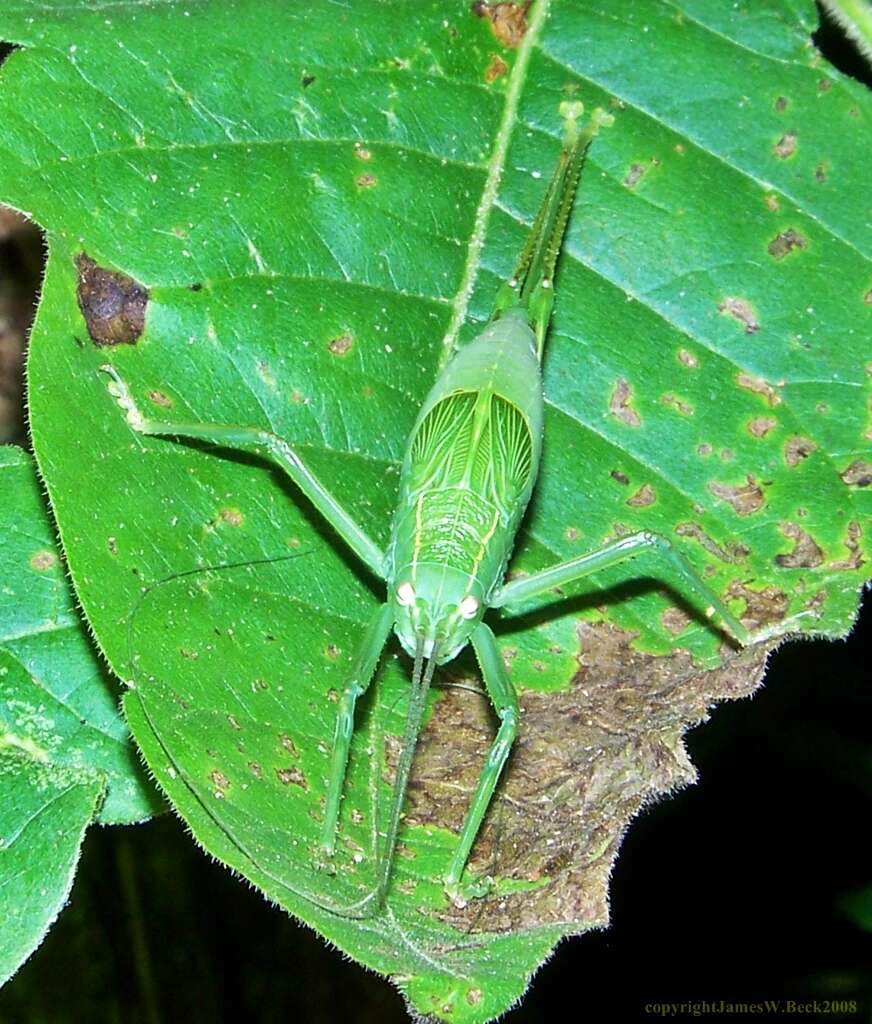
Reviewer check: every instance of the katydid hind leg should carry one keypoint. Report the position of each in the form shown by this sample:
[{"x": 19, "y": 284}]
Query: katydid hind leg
[
  {"x": 263, "y": 442},
  {"x": 504, "y": 699},
  {"x": 680, "y": 573},
  {"x": 367, "y": 659}
]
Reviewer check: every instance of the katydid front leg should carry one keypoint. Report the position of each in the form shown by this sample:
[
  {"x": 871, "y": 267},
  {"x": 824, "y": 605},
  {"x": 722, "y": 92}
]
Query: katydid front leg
[
  {"x": 368, "y": 655},
  {"x": 265, "y": 443},
  {"x": 679, "y": 569}
]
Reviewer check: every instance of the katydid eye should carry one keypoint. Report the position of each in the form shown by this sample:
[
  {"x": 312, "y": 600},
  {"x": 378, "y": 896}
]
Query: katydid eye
[
  {"x": 468, "y": 607},
  {"x": 405, "y": 594}
]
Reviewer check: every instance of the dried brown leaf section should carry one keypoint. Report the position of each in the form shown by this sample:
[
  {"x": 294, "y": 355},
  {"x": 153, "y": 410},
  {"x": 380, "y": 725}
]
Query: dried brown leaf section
[{"x": 585, "y": 762}]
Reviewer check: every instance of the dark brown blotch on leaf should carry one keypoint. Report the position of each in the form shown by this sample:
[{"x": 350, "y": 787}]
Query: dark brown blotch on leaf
[
  {"x": 741, "y": 310},
  {"x": 495, "y": 69},
  {"x": 761, "y": 425},
  {"x": 731, "y": 552},
  {"x": 644, "y": 496},
  {"x": 112, "y": 304},
  {"x": 786, "y": 146},
  {"x": 797, "y": 449},
  {"x": 759, "y": 387},
  {"x": 619, "y": 404},
  {"x": 292, "y": 777},
  {"x": 340, "y": 345},
  {"x": 508, "y": 21},
  {"x": 43, "y": 560},
  {"x": 858, "y": 474},
  {"x": 806, "y": 554},
  {"x": 786, "y": 242},
  {"x": 746, "y": 499},
  {"x": 634, "y": 175},
  {"x": 855, "y": 559}
]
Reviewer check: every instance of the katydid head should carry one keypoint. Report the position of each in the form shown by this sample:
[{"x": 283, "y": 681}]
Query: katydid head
[{"x": 438, "y": 606}]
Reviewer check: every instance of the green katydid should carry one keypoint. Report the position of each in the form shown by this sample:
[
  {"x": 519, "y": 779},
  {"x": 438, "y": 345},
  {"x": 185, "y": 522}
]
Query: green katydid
[{"x": 470, "y": 467}]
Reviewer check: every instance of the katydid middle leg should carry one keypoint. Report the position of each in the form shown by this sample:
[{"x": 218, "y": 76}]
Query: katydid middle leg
[
  {"x": 612, "y": 554},
  {"x": 505, "y": 700}
]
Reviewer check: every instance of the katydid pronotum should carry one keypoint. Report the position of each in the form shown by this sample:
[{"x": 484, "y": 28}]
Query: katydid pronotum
[{"x": 470, "y": 467}]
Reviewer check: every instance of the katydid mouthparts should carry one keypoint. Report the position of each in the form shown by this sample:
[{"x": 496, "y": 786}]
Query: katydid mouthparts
[{"x": 470, "y": 467}]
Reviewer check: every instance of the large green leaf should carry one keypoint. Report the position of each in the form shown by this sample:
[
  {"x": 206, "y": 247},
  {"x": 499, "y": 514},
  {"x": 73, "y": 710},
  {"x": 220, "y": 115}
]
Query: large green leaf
[
  {"x": 65, "y": 753},
  {"x": 318, "y": 211}
]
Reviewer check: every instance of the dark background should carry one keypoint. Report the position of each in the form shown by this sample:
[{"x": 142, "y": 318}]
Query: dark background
[{"x": 753, "y": 885}]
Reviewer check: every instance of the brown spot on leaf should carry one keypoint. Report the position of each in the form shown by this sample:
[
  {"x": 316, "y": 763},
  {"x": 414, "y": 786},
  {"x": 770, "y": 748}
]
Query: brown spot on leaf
[
  {"x": 824, "y": 85},
  {"x": 704, "y": 449},
  {"x": 288, "y": 744},
  {"x": 761, "y": 425},
  {"x": 496, "y": 69},
  {"x": 644, "y": 496},
  {"x": 473, "y": 996},
  {"x": 112, "y": 304},
  {"x": 786, "y": 146},
  {"x": 634, "y": 175},
  {"x": 858, "y": 474},
  {"x": 571, "y": 533},
  {"x": 786, "y": 242},
  {"x": 619, "y": 404},
  {"x": 805, "y": 554},
  {"x": 361, "y": 152},
  {"x": 307, "y": 80},
  {"x": 797, "y": 449},
  {"x": 508, "y": 21},
  {"x": 733, "y": 552},
  {"x": 159, "y": 398},
  {"x": 233, "y": 722},
  {"x": 867, "y": 298},
  {"x": 820, "y": 173},
  {"x": 43, "y": 560},
  {"x": 772, "y": 203},
  {"x": 292, "y": 777},
  {"x": 855, "y": 558},
  {"x": 112, "y": 545},
  {"x": 762, "y": 607},
  {"x": 688, "y": 358},
  {"x": 685, "y": 408},
  {"x": 745, "y": 499},
  {"x": 367, "y": 181},
  {"x": 255, "y": 769},
  {"x": 220, "y": 782},
  {"x": 341, "y": 344},
  {"x": 620, "y": 477},
  {"x": 741, "y": 310},
  {"x": 231, "y": 516},
  {"x": 781, "y": 104},
  {"x": 759, "y": 387}
]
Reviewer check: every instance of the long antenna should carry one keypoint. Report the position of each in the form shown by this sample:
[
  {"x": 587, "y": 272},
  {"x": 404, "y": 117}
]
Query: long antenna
[
  {"x": 414, "y": 716},
  {"x": 539, "y": 257}
]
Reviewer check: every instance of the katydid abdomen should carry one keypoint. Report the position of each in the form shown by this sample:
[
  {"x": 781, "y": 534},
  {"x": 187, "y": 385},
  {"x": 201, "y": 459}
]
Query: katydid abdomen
[{"x": 470, "y": 466}]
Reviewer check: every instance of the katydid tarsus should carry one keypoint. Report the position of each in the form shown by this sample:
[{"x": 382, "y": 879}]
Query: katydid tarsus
[{"x": 470, "y": 467}]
